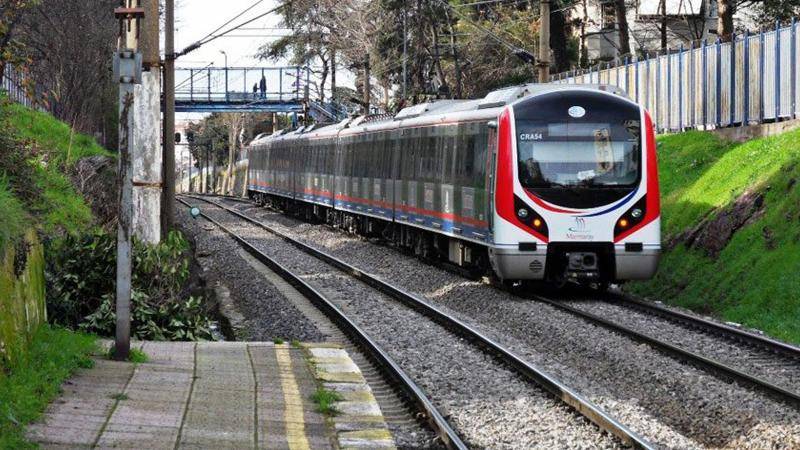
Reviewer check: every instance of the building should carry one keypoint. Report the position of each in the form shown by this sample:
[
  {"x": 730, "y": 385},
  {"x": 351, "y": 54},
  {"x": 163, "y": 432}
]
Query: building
[{"x": 685, "y": 21}]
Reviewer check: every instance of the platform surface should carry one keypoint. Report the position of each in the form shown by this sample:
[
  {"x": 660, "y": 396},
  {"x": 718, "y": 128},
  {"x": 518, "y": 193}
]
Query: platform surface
[{"x": 207, "y": 395}]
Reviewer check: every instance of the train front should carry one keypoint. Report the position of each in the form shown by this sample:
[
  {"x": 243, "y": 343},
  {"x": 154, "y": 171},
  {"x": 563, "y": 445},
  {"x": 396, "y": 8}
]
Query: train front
[{"x": 576, "y": 190}]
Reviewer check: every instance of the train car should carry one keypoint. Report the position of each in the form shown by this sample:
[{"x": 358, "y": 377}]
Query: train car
[{"x": 535, "y": 182}]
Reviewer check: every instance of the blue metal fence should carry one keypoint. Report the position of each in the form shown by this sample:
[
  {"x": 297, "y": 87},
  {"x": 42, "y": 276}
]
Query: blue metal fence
[{"x": 751, "y": 79}]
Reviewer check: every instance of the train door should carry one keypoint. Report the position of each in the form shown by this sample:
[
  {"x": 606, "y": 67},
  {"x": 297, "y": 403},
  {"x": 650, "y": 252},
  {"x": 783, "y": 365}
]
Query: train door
[{"x": 491, "y": 175}]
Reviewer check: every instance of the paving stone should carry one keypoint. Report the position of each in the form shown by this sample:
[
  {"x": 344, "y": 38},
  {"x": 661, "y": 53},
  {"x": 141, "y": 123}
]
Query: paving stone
[{"x": 210, "y": 395}]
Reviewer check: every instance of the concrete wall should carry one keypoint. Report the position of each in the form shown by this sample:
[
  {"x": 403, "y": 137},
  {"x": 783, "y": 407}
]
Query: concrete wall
[
  {"x": 22, "y": 297},
  {"x": 147, "y": 158},
  {"x": 742, "y": 134}
]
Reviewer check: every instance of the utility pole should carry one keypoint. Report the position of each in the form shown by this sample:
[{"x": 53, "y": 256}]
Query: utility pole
[
  {"x": 168, "y": 193},
  {"x": 544, "y": 41},
  {"x": 128, "y": 70}
]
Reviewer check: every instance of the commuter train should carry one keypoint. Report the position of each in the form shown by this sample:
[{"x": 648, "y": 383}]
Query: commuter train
[{"x": 535, "y": 182}]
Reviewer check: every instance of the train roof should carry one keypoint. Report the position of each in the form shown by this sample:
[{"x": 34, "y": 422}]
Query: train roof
[{"x": 435, "y": 112}]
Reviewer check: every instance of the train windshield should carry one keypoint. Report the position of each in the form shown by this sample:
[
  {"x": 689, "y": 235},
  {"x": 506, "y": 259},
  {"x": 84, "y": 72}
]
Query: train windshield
[
  {"x": 578, "y": 139},
  {"x": 582, "y": 154}
]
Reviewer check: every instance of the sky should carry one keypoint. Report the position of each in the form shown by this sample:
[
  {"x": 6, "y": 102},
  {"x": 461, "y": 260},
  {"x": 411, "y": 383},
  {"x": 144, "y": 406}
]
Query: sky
[{"x": 195, "y": 19}]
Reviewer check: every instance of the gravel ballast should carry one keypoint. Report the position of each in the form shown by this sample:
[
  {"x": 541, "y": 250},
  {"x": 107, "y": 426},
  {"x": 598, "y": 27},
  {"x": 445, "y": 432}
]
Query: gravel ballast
[
  {"x": 664, "y": 400},
  {"x": 780, "y": 370},
  {"x": 489, "y": 405},
  {"x": 267, "y": 314}
]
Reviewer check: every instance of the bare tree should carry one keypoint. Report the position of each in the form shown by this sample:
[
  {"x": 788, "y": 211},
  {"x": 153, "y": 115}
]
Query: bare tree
[
  {"x": 234, "y": 122},
  {"x": 70, "y": 44}
]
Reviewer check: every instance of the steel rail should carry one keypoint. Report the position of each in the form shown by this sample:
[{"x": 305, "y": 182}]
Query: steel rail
[
  {"x": 710, "y": 326},
  {"x": 679, "y": 352},
  {"x": 434, "y": 418},
  {"x": 529, "y": 371}
]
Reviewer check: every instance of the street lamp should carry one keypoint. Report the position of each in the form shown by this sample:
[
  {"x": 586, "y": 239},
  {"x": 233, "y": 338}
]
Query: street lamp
[{"x": 226, "y": 75}]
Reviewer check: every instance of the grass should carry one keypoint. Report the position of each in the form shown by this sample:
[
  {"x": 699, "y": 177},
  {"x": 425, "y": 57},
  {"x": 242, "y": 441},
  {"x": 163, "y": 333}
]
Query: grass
[
  {"x": 278, "y": 341},
  {"x": 14, "y": 219},
  {"x": 753, "y": 281},
  {"x": 136, "y": 356},
  {"x": 28, "y": 387},
  {"x": 54, "y": 149},
  {"x": 64, "y": 147},
  {"x": 120, "y": 397},
  {"x": 325, "y": 399}
]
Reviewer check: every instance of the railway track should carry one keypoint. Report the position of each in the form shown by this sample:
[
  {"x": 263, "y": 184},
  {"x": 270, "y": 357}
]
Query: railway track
[
  {"x": 364, "y": 343},
  {"x": 758, "y": 361},
  {"x": 524, "y": 369}
]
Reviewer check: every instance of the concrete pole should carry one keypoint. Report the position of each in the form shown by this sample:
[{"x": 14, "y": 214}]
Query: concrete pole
[
  {"x": 127, "y": 69},
  {"x": 146, "y": 154},
  {"x": 168, "y": 196},
  {"x": 544, "y": 41}
]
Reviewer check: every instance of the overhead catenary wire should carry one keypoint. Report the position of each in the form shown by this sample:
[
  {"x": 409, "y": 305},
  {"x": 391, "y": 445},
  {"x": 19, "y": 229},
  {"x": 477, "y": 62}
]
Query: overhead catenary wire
[
  {"x": 213, "y": 36},
  {"x": 248, "y": 9}
]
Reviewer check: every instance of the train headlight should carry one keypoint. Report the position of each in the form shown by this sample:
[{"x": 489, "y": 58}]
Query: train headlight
[
  {"x": 529, "y": 218},
  {"x": 632, "y": 217}
]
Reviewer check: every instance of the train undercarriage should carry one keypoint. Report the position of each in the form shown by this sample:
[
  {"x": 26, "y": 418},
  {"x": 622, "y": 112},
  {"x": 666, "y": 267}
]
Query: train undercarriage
[{"x": 468, "y": 258}]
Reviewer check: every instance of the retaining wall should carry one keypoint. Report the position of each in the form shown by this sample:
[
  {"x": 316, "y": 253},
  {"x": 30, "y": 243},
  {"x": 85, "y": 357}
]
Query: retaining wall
[{"x": 22, "y": 297}]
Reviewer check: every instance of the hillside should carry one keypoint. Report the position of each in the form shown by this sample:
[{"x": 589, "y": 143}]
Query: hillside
[
  {"x": 731, "y": 223},
  {"x": 38, "y": 152}
]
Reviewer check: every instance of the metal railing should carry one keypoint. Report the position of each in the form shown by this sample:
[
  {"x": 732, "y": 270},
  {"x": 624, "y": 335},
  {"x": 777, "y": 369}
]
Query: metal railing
[
  {"x": 14, "y": 82},
  {"x": 752, "y": 79},
  {"x": 242, "y": 84}
]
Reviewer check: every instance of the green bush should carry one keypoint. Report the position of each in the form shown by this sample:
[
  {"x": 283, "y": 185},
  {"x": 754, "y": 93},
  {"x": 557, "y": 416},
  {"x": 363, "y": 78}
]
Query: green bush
[{"x": 81, "y": 288}]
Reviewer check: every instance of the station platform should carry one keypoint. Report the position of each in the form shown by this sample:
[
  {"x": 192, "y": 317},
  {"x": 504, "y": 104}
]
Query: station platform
[{"x": 216, "y": 395}]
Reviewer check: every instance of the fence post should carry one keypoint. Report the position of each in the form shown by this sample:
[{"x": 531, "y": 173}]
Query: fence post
[
  {"x": 636, "y": 77},
  {"x": 705, "y": 83},
  {"x": 627, "y": 74},
  {"x": 718, "y": 87},
  {"x": 793, "y": 66},
  {"x": 692, "y": 100},
  {"x": 732, "y": 85},
  {"x": 680, "y": 88},
  {"x": 191, "y": 85},
  {"x": 658, "y": 89},
  {"x": 667, "y": 111},
  {"x": 777, "y": 70},
  {"x": 746, "y": 63},
  {"x": 761, "y": 96}
]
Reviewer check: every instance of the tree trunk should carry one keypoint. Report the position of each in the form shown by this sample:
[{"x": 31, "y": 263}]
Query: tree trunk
[
  {"x": 726, "y": 10},
  {"x": 437, "y": 60},
  {"x": 622, "y": 25},
  {"x": 323, "y": 78},
  {"x": 663, "y": 5},
  {"x": 333, "y": 75},
  {"x": 583, "y": 56},
  {"x": 367, "y": 88},
  {"x": 454, "y": 49},
  {"x": 559, "y": 30}
]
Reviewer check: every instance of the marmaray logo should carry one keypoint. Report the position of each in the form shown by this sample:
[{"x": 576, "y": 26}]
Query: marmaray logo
[{"x": 580, "y": 225}]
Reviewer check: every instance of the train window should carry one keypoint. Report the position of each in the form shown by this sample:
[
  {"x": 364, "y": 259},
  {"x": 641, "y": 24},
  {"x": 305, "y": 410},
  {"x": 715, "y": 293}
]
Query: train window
[{"x": 586, "y": 141}]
